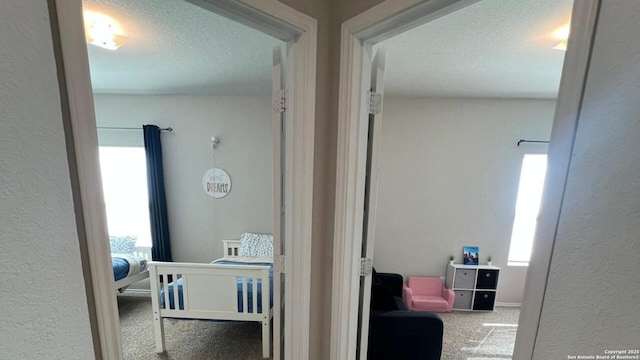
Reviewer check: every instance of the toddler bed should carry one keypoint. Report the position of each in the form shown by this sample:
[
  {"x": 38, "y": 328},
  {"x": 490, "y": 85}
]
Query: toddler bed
[
  {"x": 129, "y": 261},
  {"x": 231, "y": 288},
  {"x": 128, "y": 269}
]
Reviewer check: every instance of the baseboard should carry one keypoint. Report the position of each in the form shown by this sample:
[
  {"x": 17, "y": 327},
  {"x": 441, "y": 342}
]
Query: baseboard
[{"x": 505, "y": 304}]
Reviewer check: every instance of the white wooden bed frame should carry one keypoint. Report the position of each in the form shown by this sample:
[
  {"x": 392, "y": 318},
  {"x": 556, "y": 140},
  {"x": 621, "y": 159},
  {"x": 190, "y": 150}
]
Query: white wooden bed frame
[
  {"x": 210, "y": 292},
  {"x": 143, "y": 252}
]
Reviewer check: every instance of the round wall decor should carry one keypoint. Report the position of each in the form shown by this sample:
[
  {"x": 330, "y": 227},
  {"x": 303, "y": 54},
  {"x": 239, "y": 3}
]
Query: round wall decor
[{"x": 216, "y": 182}]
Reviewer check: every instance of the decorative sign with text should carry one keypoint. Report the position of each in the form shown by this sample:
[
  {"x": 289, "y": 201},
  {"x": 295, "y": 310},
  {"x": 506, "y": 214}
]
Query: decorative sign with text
[{"x": 217, "y": 183}]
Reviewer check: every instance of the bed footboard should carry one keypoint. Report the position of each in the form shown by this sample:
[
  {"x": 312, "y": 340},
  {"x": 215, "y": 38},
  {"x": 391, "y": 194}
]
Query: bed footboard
[
  {"x": 143, "y": 252},
  {"x": 210, "y": 291},
  {"x": 139, "y": 251}
]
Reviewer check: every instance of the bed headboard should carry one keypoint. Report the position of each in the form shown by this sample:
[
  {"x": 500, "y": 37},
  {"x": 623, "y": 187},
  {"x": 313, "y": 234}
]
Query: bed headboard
[{"x": 231, "y": 247}]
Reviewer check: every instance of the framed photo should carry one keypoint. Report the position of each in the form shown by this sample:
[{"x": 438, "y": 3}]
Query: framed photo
[{"x": 470, "y": 255}]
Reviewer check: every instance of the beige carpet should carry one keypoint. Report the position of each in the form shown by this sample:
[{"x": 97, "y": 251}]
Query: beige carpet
[
  {"x": 185, "y": 339},
  {"x": 480, "y": 335},
  {"x": 468, "y": 335}
]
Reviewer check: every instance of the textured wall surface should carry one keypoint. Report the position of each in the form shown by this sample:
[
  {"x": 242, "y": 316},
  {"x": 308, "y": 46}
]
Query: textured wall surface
[
  {"x": 591, "y": 303},
  {"x": 449, "y": 174},
  {"x": 197, "y": 222},
  {"x": 43, "y": 298}
]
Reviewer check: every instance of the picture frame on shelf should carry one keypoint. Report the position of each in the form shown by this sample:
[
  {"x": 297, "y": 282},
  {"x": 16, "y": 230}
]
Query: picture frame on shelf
[{"x": 470, "y": 255}]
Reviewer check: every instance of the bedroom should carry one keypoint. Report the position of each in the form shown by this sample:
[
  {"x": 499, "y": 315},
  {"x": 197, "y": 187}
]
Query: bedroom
[
  {"x": 156, "y": 77},
  {"x": 452, "y": 168}
]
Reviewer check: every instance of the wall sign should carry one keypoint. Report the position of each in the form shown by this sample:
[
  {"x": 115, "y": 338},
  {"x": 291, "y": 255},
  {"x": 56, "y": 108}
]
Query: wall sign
[{"x": 217, "y": 183}]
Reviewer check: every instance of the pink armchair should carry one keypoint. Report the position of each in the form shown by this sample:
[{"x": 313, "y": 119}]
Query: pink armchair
[{"x": 427, "y": 294}]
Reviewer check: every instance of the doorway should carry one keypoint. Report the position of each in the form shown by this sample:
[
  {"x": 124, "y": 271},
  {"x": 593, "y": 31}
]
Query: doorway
[
  {"x": 227, "y": 98},
  {"x": 272, "y": 18},
  {"x": 367, "y": 31}
]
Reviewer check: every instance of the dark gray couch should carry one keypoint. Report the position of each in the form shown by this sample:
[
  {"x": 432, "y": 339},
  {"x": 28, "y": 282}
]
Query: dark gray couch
[{"x": 396, "y": 333}]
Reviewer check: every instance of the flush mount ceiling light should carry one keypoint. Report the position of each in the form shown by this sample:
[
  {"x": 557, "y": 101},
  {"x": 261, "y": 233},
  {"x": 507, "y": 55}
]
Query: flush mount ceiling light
[
  {"x": 562, "y": 45},
  {"x": 101, "y": 30},
  {"x": 561, "y": 34}
]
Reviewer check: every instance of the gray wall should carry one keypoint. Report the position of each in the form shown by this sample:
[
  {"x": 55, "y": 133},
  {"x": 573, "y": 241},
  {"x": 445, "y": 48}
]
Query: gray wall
[
  {"x": 44, "y": 306},
  {"x": 197, "y": 222},
  {"x": 449, "y": 175},
  {"x": 591, "y": 301}
]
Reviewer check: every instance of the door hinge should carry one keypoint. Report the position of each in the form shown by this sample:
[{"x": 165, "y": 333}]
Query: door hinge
[
  {"x": 366, "y": 266},
  {"x": 375, "y": 103},
  {"x": 278, "y": 264},
  {"x": 280, "y": 101}
]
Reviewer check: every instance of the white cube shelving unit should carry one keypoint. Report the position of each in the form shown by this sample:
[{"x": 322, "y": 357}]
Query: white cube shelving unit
[{"x": 475, "y": 286}]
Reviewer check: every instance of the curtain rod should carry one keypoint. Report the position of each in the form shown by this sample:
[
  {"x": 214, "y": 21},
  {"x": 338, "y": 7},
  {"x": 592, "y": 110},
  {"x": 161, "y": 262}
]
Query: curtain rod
[
  {"x": 532, "y": 141},
  {"x": 169, "y": 129}
]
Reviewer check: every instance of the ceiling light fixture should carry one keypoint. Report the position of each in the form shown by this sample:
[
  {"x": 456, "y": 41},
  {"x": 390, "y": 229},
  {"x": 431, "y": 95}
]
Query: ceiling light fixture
[
  {"x": 561, "y": 34},
  {"x": 562, "y": 45},
  {"x": 101, "y": 30}
]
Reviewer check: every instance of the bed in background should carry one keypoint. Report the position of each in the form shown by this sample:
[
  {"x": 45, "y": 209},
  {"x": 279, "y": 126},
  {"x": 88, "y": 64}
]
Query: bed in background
[
  {"x": 129, "y": 261},
  {"x": 230, "y": 288}
]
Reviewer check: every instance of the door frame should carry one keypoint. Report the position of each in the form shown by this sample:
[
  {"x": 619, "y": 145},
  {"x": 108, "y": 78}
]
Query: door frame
[
  {"x": 382, "y": 22},
  {"x": 269, "y": 16}
]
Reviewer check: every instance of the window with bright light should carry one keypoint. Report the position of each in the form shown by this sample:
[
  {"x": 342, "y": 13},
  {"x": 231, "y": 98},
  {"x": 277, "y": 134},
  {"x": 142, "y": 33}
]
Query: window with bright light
[
  {"x": 534, "y": 168},
  {"x": 124, "y": 181}
]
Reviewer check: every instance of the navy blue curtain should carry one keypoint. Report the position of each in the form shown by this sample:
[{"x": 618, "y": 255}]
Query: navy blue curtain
[{"x": 161, "y": 250}]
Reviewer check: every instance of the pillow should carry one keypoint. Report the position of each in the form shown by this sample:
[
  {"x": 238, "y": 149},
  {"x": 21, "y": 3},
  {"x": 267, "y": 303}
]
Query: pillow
[
  {"x": 247, "y": 243},
  {"x": 256, "y": 245},
  {"x": 122, "y": 244}
]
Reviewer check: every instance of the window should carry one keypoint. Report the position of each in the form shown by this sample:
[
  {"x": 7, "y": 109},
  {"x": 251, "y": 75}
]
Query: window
[
  {"x": 534, "y": 168},
  {"x": 124, "y": 181}
]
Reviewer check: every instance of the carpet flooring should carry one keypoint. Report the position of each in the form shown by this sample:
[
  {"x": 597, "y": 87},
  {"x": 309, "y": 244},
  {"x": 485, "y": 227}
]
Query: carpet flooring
[
  {"x": 185, "y": 339},
  {"x": 480, "y": 335},
  {"x": 468, "y": 335}
]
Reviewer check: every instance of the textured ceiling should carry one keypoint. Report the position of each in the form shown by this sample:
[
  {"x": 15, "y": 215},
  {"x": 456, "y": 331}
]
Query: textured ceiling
[
  {"x": 493, "y": 48},
  {"x": 175, "y": 47}
]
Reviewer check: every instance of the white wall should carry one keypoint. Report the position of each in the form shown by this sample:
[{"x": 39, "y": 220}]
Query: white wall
[
  {"x": 449, "y": 177},
  {"x": 197, "y": 222},
  {"x": 43, "y": 301},
  {"x": 591, "y": 300}
]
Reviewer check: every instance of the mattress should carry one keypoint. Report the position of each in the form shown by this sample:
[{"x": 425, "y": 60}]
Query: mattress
[
  {"x": 126, "y": 265},
  {"x": 120, "y": 268},
  {"x": 239, "y": 281}
]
